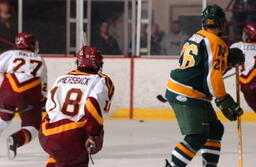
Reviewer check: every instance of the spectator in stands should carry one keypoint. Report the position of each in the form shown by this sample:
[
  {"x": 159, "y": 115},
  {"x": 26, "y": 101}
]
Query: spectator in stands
[
  {"x": 105, "y": 42},
  {"x": 8, "y": 28},
  {"x": 243, "y": 12},
  {"x": 143, "y": 39},
  {"x": 116, "y": 29},
  {"x": 171, "y": 44},
  {"x": 156, "y": 38}
]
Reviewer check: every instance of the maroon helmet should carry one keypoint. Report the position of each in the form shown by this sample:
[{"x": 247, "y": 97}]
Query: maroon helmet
[
  {"x": 249, "y": 32},
  {"x": 25, "y": 40},
  {"x": 89, "y": 57}
]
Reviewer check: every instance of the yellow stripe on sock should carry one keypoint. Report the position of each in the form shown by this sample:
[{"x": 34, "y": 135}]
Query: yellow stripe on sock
[{"x": 186, "y": 151}]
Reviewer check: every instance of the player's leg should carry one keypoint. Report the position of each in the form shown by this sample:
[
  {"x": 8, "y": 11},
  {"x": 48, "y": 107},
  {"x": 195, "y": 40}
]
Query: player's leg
[
  {"x": 30, "y": 121},
  {"x": 193, "y": 123},
  {"x": 249, "y": 91},
  {"x": 67, "y": 148},
  {"x": 185, "y": 151},
  {"x": 29, "y": 130},
  {"x": 7, "y": 101},
  {"x": 20, "y": 138},
  {"x": 44, "y": 142},
  {"x": 211, "y": 149}
]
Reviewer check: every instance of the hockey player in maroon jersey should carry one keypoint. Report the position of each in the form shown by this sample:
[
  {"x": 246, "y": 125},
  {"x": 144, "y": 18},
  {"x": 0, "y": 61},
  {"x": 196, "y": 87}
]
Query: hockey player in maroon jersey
[
  {"x": 23, "y": 87},
  {"x": 248, "y": 73},
  {"x": 76, "y": 106}
]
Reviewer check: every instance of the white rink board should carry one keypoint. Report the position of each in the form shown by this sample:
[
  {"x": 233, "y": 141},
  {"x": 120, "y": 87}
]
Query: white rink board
[{"x": 150, "y": 78}]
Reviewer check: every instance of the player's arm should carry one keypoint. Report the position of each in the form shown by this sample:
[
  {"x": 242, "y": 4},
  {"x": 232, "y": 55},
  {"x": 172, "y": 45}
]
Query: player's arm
[
  {"x": 97, "y": 105},
  {"x": 224, "y": 101},
  {"x": 216, "y": 64},
  {"x": 95, "y": 120},
  {"x": 94, "y": 126},
  {"x": 5, "y": 58}
]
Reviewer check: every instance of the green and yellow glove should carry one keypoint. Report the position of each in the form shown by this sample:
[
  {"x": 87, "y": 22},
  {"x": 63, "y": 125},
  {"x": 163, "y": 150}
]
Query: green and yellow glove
[
  {"x": 235, "y": 57},
  {"x": 230, "y": 109}
]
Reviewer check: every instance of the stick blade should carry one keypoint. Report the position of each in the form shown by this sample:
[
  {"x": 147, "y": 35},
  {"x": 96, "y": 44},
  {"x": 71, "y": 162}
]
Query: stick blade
[{"x": 161, "y": 98}]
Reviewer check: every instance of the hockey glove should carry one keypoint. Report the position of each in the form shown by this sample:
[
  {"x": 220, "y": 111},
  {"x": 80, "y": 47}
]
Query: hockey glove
[
  {"x": 235, "y": 57},
  {"x": 94, "y": 144},
  {"x": 230, "y": 109}
]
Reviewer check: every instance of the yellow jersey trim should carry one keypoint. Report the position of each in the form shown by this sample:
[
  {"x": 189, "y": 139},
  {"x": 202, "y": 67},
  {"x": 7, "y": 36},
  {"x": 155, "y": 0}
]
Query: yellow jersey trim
[
  {"x": 92, "y": 110},
  {"x": 213, "y": 144},
  {"x": 51, "y": 160},
  {"x": 61, "y": 128},
  {"x": 22, "y": 88},
  {"x": 185, "y": 90},
  {"x": 249, "y": 78},
  {"x": 186, "y": 151}
]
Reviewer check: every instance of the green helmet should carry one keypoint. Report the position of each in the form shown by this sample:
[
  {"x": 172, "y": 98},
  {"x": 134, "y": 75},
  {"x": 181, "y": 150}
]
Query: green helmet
[{"x": 213, "y": 16}]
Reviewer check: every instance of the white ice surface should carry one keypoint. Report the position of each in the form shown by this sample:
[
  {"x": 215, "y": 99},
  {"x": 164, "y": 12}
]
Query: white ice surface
[{"x": 131, "y": 143}]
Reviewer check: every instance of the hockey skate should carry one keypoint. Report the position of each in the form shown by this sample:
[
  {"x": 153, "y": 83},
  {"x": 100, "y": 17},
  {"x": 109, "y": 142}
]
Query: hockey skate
[
  {"x": 11, "y": 147},
  {"x": 168, "y": 164}
]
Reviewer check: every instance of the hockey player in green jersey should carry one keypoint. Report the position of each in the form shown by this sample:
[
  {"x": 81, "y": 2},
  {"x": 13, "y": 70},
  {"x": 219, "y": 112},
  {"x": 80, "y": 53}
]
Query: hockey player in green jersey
[{"x": 191, "y": 87}]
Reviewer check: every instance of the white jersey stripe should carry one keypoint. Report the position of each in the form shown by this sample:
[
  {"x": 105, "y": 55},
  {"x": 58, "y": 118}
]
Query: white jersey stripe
[
  {"x": 209, "y": 53},
  {"x": 209, "y": 151},
  {"x": 180, "y": 157}
]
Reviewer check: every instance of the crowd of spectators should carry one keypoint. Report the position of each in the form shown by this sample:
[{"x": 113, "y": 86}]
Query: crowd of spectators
[
  {"x": 108, "y": 31},
  {"x": 169, "y": 43}
]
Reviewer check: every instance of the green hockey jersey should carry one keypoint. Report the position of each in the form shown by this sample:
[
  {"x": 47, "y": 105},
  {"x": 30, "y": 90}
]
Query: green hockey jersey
[{"x": 201, "y": 65}]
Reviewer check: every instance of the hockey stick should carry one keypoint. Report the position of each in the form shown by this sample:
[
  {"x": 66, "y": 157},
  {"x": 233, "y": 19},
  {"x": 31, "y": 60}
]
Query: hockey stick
[
  {"x": 161, "y": 98},
  {"x": 239, "y": 125},
  {"x": 7, "y": 42},
  {"x": 90, "y": 156},
  {"x": 29, "y": 107},
  {"x": 230, "y": 75}
]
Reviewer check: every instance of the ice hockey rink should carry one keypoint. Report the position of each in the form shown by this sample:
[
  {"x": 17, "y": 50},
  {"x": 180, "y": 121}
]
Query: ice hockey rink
[{"x": 134, "y": 143}]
